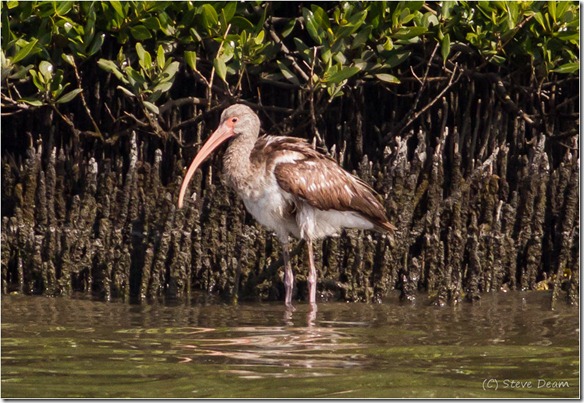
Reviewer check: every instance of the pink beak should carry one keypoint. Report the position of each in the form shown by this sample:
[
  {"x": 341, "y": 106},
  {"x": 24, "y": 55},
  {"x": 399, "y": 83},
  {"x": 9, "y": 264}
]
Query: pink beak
[{"x": 222, "y": 134}]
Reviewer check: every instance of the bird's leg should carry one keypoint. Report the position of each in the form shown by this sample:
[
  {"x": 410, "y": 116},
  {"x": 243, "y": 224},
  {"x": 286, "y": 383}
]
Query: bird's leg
[
  {"x": 311, "y": 274},
  {"x": 288, "y": 274}
]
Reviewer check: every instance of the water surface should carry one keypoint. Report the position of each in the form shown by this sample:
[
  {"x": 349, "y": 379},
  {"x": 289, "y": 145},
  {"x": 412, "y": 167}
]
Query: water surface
[{"x": 505, "y": 345}]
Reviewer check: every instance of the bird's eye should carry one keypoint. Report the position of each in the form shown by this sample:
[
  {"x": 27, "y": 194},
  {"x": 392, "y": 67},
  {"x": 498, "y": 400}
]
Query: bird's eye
[{"x": 234, "y": 120}]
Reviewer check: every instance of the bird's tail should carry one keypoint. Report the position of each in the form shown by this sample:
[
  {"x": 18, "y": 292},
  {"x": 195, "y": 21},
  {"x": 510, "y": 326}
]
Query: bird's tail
[{"x": 385, "y": 227}]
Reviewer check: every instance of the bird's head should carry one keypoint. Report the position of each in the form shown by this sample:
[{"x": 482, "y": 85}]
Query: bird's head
[{"x": 237, "y": 120}]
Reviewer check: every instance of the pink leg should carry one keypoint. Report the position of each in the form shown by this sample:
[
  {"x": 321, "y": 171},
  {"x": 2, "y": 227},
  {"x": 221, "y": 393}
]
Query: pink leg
[
  {"x": 288, "y": 274},
  {"x": 311, "y": 274}
]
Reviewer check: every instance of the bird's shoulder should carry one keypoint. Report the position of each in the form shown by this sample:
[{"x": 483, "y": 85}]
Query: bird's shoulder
[{"x": 284, "y": 148}]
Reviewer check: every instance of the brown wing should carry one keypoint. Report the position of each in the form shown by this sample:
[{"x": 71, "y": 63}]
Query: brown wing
[{"x": 323, "y": 184}]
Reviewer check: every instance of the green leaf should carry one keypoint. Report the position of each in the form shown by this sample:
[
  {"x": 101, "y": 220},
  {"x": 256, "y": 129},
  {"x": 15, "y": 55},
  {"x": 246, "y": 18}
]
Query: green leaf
[
  {"x": 287, "y": 73},
  {"x": 25, "y": 51},
  {"x": 31, "y": 101},
  {"x": 561, "y": 9},
  {"x": 242, "y": 23},
  {"x": 320, "y": 17},
  {"x": 220, "y": 68},
  {"x": 409, "y": 32},
  {"x": 311, "y": 26},
  {"x": 229, "y": 11},
  {"x": 361, "y": 37},
  {"x": 126, "y": 91},
  {"x": 62, "y": 7},
  {"x": 259, "y": 38},
  {"x": 136, "y": 79},
  {"x": 70, "y": 60},
  {"x": 151, "y": 107},
  {"x": 388, "y": 78},
  {"x": 289, "y": 27},
  {"x": 301, "y": 46},
  {"x": 140, "y": 51},
  {"x": 445, "y": 47},
  {"x": 118, "y": 8},
  {"x": 167, "y": 25},
  {"x": 20, "y": 73},
  {"x": 567, "y": 68},
  {"x": 396, "y": 58},
  {"x": 69, "y": 96},
  {"x": 170, "y": 70},
  {"x": 343, "y": 74},
  {"x": 144, "y": 58},
  {"x": 12, "y": 4},
  {"x": 209, "y": 15},
  {"x": 140, "y": 32},
  {"x": 38, "y": 80},
  {"x": 96, "y": 44},
  {"x": 552, "y": 9},
  {"x": 46, "y": 69},
  {"x": 446, "y": 7},
  {"x": 191, "y": 59},
  {"x": 539, "y": 18},
  {"x": 111, "y": 67},
  {"x": 163, "y": 87},
  {"x": 160, "y": 59}
]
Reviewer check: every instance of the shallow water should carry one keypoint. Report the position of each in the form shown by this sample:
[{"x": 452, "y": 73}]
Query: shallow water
[{"x": 505, "y": 345}]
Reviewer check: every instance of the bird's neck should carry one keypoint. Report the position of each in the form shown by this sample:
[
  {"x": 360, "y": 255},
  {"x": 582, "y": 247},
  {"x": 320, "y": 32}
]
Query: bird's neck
[{"x": 236, "y": 162}]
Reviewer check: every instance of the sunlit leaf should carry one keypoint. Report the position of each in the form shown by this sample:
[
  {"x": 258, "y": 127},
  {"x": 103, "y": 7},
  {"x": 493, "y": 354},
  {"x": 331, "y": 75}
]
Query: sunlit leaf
[
  {"x": 111, "y": 67},
  {"x": 62, "y": 7},
  {"x": 289, "y": 27},
  {"x": 445, "y": 47},
  {"x": 191, "y": 59},
  {"x": 343, "y": 74},
  {"x": 96, "y": 44},
  {"x": 69, "y": 96},
  {"x": 229, "y": 11},
  {"x": 163, "y": 87},
  {"x": 25, "y": 51},
  {"x": 209, "y": 16},
  {"x": 287, "y": 73},
  {"x": 70, "y": 60},
  {"x": 31, "y": 101},
  {"x": 568, "y": 68},
  {"x": 220, "y": 68},
  {"x": 311, "y": 26},
  {"x": 160, "y": 59},
  {"x": 170, "y": 70},
  {"x": 151, "y": 107},
  {"x": 117, "y": 5},
  {"x": 388, "y": 78},
  {"x": 552, "y": 9},
  {"x": 396, "y": 58},
  {"x": 241, "y": 22},
  {"x": 37, "y": 80},
  {"x": 140, "y": 32},
  {"x": 126, "y": 91},
  {"x": 46, "y": 69}
]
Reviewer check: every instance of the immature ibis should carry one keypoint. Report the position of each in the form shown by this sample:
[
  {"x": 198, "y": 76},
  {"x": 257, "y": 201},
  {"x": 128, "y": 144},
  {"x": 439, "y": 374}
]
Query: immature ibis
[{"x": 289, "y": 187}]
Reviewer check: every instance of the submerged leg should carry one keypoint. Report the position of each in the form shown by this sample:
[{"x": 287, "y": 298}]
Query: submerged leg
[
  {"x": 311, "y": 274},
  {"x": 288, "y": 274}
]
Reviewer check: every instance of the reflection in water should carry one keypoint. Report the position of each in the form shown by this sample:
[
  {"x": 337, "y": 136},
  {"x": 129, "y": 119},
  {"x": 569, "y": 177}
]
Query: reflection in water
[
  {"x": 310, "y": 347},
  {"x": 53, "y": 347}
]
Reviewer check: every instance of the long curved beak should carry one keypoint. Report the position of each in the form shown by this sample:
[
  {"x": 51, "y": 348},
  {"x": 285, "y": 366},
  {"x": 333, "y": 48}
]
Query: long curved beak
[{"x": 219, "y": 136}]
